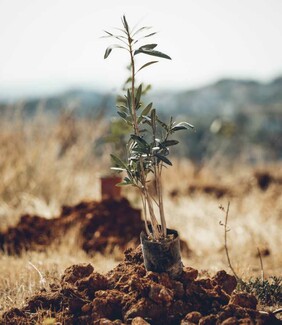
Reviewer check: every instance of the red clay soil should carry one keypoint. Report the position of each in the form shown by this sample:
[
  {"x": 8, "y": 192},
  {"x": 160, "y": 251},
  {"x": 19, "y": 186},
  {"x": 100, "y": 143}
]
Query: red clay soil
[
  {"x": 103, "y": 227},
  {"x": 129, "y": 294}
]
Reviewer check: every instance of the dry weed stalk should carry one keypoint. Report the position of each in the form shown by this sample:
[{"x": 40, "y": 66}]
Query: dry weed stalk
[{"x": 226, "y": 230}]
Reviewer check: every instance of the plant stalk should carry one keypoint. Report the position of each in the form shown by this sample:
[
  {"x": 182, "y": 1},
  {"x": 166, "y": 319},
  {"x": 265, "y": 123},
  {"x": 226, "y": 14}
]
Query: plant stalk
[
  {"x": 154, "y": 223},
  {"x": 161, "y": 205}
]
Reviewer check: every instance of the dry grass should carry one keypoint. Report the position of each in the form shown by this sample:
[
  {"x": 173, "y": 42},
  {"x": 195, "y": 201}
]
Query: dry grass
[{"x": 45, "y": 163}]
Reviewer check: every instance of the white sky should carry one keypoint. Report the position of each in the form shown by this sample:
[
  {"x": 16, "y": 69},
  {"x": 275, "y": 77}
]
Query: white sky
[{"x": 48, "y": 45}]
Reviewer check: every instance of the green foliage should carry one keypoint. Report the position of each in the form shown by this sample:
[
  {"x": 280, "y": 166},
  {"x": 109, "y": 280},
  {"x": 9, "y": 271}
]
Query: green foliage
[
  {"x": 268, "y": 291},
  {"x": 149, "y": 143}
]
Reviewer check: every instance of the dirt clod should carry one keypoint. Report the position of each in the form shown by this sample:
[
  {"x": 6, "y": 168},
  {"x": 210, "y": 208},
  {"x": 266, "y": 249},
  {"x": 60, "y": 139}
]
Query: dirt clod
[
  {"x": 102, "y": 227},
  {"x": 226, "y": 281},
  {"x": 129, "y": 294},
  {"x": 244, "y": 299},
  {"x": 139, "y": 321}
]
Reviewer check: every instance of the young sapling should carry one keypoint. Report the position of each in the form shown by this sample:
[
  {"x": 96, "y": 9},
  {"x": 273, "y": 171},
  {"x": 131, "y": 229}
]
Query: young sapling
[{"x": 149, "y": 143}]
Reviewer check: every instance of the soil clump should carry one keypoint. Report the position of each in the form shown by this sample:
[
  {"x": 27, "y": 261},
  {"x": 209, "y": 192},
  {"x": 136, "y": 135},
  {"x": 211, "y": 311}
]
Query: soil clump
[
  {"x": 102, "y": 226},
  {"x": 129, "y": 294}
]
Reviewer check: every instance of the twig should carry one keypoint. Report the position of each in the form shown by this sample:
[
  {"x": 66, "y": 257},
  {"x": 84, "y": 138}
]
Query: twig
[
  {"x": 42, "y": 280},
  {"x": 225, "y": 243}
]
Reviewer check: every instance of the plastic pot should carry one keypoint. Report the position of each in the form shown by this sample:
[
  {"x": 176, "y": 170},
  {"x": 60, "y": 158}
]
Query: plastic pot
[
  {"x": 109, "y": 188},
  {"x": 162, "y": 256}
]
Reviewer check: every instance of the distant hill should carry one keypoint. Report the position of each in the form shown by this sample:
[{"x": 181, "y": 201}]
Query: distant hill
[
  {"x": 225, "y": 97},
  {"x": 236, "y": 117},
  {"x": 82, "y": 102}
]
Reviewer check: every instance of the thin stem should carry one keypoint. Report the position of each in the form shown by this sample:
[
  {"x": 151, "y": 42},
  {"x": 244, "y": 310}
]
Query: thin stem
[
  {"x": 161, "y": 205},
  {"x": 225, "y": 242},
  {"x": 145, "y": 215},
  {"x": 133, "y": 107},
  {"x": 155, "y": 201},
  {"x": 154, "y": 222}
]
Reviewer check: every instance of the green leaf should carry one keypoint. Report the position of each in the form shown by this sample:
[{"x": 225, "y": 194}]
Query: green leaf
[
  {"x": 128, "y": 98},
  {"x": 148, "y": 47},
  {"x": 138, "y": 96},
  {"x": 153, "y": 53},
  {"x": 110, "y": 48},
  {"x": 109, "y": 34},
  {"x": 188, "y": 125},
  {"x": 141, "y": 30},
  {"x": 147, "y": 120},
  {"x": 164, "y": 159},
  {"x": 138, "y": 150},
  {"x": 122, "y": 115},
  {"x": 146, "y": 65},
  {"x": 153, "y": 116},
  {"x": 123, "y": 108},
  {"x": 108, "y": 52},
  {"x": 118, "y": 162},
  {"x": 147, "y": 109},
  {"x": 149, "y": 35},
  {"x": 163, "y": 125},
  {"x": 141, "y": 141},
  {"x": 145, "y": 112},
  {"x": 178, "y": 128},
  {"x": 125, "y": 24},
  {"x": 118, "y": 169},
  {"x": 126, "y": 181},
  {"x": 169, "y": 143},
  {"x": 123, "y": 184},
  {"x": 123, "y": 31}
]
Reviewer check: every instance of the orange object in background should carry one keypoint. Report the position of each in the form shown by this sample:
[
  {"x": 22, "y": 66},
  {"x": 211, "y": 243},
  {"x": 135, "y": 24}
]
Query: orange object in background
[{"x": 109, "y": 188}]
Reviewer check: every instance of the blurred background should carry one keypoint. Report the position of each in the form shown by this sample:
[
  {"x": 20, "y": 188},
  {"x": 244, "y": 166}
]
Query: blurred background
[
  {"x": 225, "y": 76},
  {"x": 58, "y": 123}
]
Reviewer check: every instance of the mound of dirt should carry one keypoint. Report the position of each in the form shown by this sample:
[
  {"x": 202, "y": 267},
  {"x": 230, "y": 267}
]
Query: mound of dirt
[
  {"x": 217, "y": 191},
  {"x": 264, "y": 179},
  {"x": 129, "y": 294},
  {"x": 111, "y": 224},
  {"x": 103, "y": 227}
]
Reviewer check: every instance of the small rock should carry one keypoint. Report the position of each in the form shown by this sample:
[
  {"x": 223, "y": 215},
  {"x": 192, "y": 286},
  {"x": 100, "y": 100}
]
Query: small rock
[
  {"x": 92, "y": 283},
  {"x": 230, "y": 321},
  {"x": 191, "y": 318},
  {"x": 160, "y": 294},
  {"x": 77, "y": 272},
  {"x": 178, "y": 289},
  {"x": 208, "y": 320},
  {"x": 103, "y": 321},
  {"x": 189, "y": 274},
  {"x": 226, "y": 281},
  {"x": 86, "y": 308},
  {"x": 244, "y": 299},
  {"x": 246, "y": 321},
  {"x": 139, "y": 321}
]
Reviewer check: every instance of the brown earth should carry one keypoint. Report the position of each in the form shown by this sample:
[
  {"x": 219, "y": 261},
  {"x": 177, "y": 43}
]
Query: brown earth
[
  {"x": 103, "y": 226},
  {"x": 129, "y": 294},
  {"x": 261, "y": 179},
  {"x": 264, "y": 179}
]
